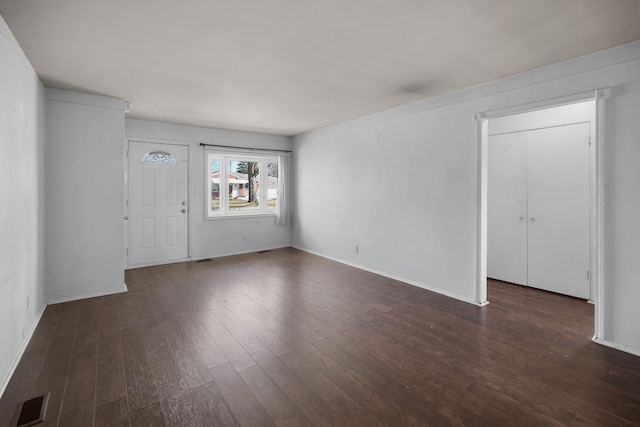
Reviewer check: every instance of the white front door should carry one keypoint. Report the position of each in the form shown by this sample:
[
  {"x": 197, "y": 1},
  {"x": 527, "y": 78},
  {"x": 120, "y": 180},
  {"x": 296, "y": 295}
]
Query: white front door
[{"x": 158, "y": 203}]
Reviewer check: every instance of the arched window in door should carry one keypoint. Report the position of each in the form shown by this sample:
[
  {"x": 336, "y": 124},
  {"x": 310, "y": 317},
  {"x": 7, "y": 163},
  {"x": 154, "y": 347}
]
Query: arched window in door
[{"x": 159, "y": 157}]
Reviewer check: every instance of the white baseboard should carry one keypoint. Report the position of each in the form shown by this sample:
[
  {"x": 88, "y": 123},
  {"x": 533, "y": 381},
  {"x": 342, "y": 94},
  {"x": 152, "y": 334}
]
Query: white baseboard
[
  {"x": 398, "y": 278},
  {"x": 21, "y": 350},
  {"x": 78, "y": 297},
  {"x": 617, "y": 346}
]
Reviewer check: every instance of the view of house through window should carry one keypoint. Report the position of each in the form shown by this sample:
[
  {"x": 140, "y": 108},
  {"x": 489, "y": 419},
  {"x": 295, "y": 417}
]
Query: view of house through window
[
  {"x": 241, "y": 184},
  {"x": 214, "y": 185},
  {"x": 244, "y": 188}
]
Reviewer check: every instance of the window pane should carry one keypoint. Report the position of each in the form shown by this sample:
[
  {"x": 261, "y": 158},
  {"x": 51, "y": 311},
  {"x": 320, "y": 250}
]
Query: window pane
[
  {"x": 215, "y": 185},
  {"x": 159, "y": 157},
  {"x": 244, "y": 185},
  {"x": 272, "y": 185}
]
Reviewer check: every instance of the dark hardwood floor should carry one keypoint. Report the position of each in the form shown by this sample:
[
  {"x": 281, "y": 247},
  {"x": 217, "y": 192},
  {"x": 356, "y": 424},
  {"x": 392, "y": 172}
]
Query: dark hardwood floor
[{"x": 288, "y": 338}]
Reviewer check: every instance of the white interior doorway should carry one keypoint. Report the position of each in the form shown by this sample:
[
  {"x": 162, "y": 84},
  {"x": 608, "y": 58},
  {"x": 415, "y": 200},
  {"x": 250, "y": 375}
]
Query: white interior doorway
[
  {"x": 538, "y": 211},
  {"x": 157, "y": 204},
  {"x": 490, "y": 122}
]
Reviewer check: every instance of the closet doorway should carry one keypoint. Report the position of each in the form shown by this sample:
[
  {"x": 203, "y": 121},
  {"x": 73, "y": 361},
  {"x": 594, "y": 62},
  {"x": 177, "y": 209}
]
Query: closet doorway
[
  {"x": 539, "y": 223},
  {"x": 539, "y": 181},
  {"x": 596, "y": 102}
]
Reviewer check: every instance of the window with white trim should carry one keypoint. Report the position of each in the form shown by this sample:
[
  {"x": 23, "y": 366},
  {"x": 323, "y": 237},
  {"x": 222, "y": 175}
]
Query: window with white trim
[{"x": 239, "y": 184}]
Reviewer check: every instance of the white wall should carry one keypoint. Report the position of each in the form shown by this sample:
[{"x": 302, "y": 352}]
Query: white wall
[
  {"x": 209, "y": 238},
  {"x": 84, "y": 195},
  {"x": 22, "y": 211},
  {"x": 403, "y": 183}
]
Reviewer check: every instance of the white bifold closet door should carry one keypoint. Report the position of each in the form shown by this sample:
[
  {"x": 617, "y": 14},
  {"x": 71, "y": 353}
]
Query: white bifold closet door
[{"x": 538, "y": 209}]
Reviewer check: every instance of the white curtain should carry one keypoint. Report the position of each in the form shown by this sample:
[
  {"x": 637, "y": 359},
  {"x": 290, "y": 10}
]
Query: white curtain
[{"x": 283, "y": 205}]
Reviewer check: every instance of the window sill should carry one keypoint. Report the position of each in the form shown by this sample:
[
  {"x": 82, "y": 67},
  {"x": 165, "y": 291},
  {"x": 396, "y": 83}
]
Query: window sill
[{"x": 241, "y": 215}]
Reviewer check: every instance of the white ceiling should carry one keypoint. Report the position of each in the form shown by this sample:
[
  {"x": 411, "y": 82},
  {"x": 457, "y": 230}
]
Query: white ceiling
[{"x": 288, "y": 66}]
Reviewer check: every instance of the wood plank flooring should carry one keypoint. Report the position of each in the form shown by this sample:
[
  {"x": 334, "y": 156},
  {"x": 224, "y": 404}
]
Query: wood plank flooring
[{"x": 285, "y": 338}]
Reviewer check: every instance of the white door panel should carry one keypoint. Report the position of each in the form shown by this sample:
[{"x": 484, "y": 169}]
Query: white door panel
[
  {"x": 507, "y": 208},
  {"x": 158, "y": 204},
  {"x": 559, "y": 209}
]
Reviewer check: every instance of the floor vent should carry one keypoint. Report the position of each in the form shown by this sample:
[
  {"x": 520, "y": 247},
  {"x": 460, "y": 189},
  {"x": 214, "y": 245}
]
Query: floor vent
[
  {"x": 205, "y": 260},
  {"x": 264, "y": 252},
  {"x": 32, "y": 411}
]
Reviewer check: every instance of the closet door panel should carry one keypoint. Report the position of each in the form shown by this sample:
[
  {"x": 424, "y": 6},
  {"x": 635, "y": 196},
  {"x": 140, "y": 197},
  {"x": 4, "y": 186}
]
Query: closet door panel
[
  {"x": 507, "y": 208},
  {"x": 558, "y": 209}
]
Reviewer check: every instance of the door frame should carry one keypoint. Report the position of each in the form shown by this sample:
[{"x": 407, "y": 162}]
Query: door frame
[
  {"x": 597, "y": 189},
  {"x": 125, "y": 203}
]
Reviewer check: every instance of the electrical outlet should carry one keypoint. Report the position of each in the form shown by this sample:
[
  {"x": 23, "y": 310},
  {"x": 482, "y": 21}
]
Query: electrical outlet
[
  {"x": 244, "y": 237},
  {"x": 357, "y": 249},
  {"x": 27, "y": 301}
]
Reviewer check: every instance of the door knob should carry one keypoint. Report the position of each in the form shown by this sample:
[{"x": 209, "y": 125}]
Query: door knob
[
  {"x": 533, "y": 219},
  {"x": 184, "y": 203},
  {"x": 183, "y": 211}
]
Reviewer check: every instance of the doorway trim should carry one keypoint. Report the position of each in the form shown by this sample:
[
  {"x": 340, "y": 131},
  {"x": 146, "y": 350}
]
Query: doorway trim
[{"x": 597, "y": 189}]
